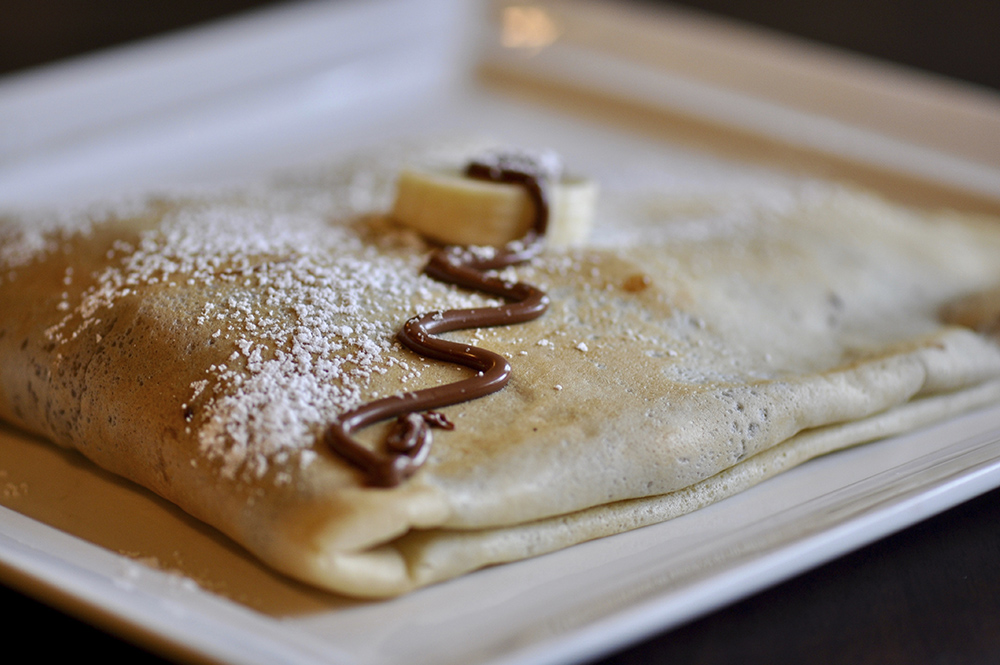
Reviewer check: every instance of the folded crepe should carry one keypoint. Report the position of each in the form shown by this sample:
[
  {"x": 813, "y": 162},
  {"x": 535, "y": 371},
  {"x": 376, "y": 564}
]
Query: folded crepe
[{"x": 200, "y": 346}]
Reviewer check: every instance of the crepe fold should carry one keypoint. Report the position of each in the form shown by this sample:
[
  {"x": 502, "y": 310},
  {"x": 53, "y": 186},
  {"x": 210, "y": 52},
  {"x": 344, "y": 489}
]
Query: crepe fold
[{"x": 199, "y": 347}]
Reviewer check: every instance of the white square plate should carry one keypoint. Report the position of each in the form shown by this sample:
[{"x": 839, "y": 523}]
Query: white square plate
[{"x": 313, "y": 82}]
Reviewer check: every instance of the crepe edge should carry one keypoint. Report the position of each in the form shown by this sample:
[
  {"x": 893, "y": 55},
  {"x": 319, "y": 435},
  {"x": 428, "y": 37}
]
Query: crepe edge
[{"x": 420, "y": 558}]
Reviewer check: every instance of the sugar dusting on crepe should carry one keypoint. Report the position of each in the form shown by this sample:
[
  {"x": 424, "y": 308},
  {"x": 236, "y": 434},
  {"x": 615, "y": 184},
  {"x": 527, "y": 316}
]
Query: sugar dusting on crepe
[{"x": 296, "y": 361}]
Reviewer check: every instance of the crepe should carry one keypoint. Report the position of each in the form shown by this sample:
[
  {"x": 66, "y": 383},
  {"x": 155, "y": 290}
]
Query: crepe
[{"x": 200, "y": 345}]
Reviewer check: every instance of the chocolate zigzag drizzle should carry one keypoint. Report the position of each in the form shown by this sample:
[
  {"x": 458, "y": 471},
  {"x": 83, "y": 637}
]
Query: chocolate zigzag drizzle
[{"x": 408, "y": 443}]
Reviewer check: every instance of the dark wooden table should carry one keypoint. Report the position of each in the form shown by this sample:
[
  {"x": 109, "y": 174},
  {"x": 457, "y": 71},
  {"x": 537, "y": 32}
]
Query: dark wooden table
[{"x": 930, "y": 594}]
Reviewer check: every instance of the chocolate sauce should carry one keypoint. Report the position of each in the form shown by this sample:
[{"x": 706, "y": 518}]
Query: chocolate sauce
[{"x": 408, "y": 444}]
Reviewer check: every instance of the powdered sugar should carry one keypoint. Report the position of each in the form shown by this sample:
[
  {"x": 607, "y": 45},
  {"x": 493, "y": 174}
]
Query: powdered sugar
[
  {"x": 33, "y": 234},
  {"x": 308, "y": 296}
]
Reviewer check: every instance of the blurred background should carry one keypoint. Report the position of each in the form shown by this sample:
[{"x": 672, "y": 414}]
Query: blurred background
[{"x": 955, "y": 39}]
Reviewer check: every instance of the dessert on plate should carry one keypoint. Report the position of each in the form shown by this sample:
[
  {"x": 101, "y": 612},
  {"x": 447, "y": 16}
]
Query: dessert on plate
[{"x": 216, "y": 348}]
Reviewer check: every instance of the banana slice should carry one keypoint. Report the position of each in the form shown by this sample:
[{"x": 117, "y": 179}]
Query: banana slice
[{"x": 452, "y": 209}]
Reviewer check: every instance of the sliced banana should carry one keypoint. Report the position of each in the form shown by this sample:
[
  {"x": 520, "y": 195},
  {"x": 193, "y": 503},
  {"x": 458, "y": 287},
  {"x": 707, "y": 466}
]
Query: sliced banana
[{"x": 453, "y": 209}]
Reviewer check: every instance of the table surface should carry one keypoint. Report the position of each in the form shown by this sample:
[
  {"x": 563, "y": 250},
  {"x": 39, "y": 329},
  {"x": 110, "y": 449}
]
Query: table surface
[{"x": 926, "y": 595}]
